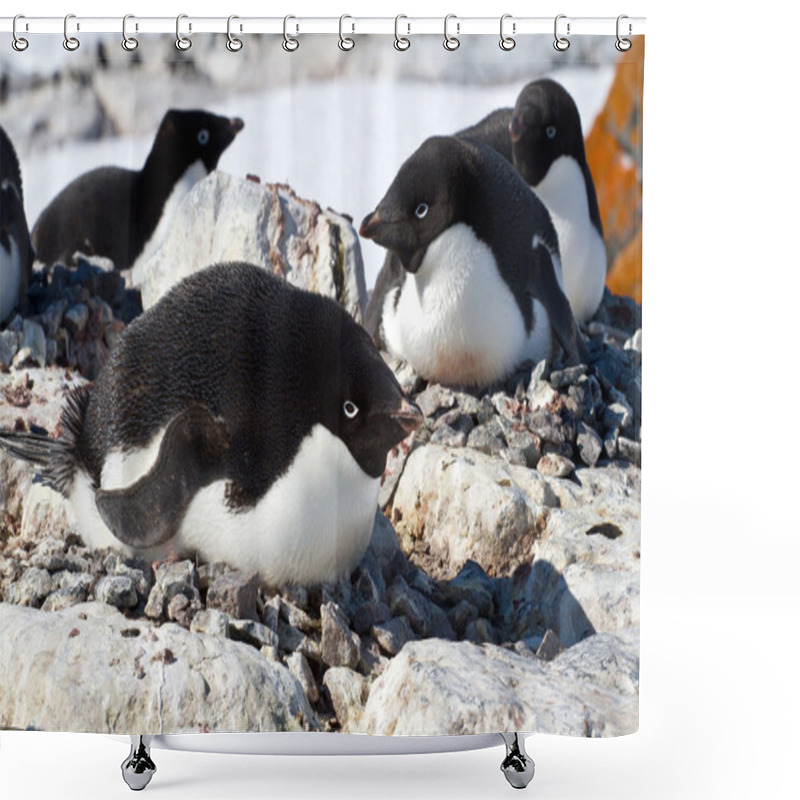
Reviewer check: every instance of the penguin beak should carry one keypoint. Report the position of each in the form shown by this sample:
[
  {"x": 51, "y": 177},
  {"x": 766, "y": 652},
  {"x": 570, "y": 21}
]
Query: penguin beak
[
  {"x": 516, "y": 128},
  {"x": 371, "y": 225},
  {"x": 236, "y": 125},
  {"x": 408, "y": 416}
]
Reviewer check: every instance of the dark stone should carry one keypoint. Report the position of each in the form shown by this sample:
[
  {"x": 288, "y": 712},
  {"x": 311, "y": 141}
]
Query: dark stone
[
  {"x": 590, "y": 445},
  {"x": 550, "y": 647},
  {"x": 461, "y": 615},
  {"x": 251, "y": 632},
  {"x": 235, "y": 593},
  {"x": 569, "y": 376},
  {"x": 392, "y": 635},
  {"x": 369, "y": 614},
  {"x": 471, "y": 584},
  {"x": 340, "y": 646},
  {"x": 117, "y": 590}
]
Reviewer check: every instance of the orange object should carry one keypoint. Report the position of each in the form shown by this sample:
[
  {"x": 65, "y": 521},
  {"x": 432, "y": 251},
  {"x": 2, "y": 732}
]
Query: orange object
[{"x": 614, "y": 155}]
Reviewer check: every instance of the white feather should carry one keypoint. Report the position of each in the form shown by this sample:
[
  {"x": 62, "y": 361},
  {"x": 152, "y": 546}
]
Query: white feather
[
  {"x": 583, "y": 254},
  {"x": 312, "y": 525},
  {"x": 456, "y": 320}
]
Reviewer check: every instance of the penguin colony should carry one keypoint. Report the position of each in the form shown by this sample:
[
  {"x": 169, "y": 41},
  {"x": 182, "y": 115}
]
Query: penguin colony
[{"x": 494, "y": 256}]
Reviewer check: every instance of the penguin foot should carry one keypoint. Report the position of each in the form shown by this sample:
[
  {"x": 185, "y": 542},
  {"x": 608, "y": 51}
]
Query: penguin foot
[
  {"x": 138, "y": 768},
  {"x": 517, "y": 766}
]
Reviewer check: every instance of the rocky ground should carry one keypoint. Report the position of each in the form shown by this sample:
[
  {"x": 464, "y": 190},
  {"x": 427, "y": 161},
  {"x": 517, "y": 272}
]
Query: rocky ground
[{"x": 500, "y": 589}]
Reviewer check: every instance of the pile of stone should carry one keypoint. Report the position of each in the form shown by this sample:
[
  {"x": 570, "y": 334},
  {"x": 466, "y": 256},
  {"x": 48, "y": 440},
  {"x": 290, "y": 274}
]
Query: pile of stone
[{"x": 74, "y": 316}]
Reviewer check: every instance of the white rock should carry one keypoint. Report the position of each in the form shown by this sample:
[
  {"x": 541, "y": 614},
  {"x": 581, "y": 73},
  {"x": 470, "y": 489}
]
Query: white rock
[
  {"x": 228, "y": 219},
  {"x": 435, "y": 687},
  {"x": 462, "y": 504},
  {"x": 94, "y": 672}
]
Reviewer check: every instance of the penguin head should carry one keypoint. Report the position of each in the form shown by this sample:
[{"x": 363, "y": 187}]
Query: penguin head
[
  {"x": 362, "y": 402},
  {"x": 190, "y": 136},
  {"x": 545, "y": 125},
  {"x": 428, "y": 195}
]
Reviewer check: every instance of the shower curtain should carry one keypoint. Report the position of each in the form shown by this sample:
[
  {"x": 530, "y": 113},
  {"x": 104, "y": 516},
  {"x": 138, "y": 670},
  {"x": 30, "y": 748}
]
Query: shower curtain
[{"x": 495, "y": 584}]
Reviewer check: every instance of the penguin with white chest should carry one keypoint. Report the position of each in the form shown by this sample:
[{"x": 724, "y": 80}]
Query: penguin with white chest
[
  {"x": 239, "y": 419},
  {"x": 549, "y": 153},
  {"x": 121, "y": 213},
  {"x": 480, "y": 291},
  {"x": 16, "y": 250}
]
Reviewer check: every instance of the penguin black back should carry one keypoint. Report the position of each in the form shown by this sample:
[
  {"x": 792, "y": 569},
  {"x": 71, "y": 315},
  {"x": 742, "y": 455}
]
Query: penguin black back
[
  {"x": 268, "y": 360},
  {"x": 114, "y": 212}
]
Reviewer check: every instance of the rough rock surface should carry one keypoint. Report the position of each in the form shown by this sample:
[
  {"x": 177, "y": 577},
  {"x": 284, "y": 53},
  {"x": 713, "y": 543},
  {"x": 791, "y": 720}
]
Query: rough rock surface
[
  {"x": 159, "y": 679},
  {"x": 228, "y": 219},
  {"x": 590, "y": 690}
]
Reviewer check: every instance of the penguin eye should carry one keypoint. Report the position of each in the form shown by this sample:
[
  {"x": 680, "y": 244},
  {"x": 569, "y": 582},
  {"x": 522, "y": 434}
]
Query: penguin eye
[
  {"x": 550, "y": 130},
  {"x": 202, "y": 137},
  {"x": 421, "y": 210},
  {"x": 350, "y": 409}
]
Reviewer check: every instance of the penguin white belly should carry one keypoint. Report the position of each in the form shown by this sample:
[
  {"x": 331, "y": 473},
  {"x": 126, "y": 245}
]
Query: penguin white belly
[
  {"x": 456, "y": 320},
  {"x": 583, "y": 253},
  {"x": 10, "y": 277},
  {"x": 312, "y": 525},
  {"x": 194, "y": 172}
]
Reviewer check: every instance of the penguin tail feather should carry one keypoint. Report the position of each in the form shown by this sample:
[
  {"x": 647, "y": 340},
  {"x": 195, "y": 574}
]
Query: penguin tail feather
[{"x": 56, "y": 457}]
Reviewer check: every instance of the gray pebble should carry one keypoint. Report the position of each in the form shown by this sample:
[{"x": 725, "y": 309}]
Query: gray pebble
[
  {"x": 473, "y": 585},
  {"x": 461, "y": 615},
  {"x": 76, "y": 318},
  {"x": 485, "y": 410},
  {"x": 31, "y": 589},
  {"x": 340, "y": 646},
  {"x": 485, "y": 438},
  {"x": 392, "y": 635},
  {"x": 299, "y": 667},
  {"x": 116, "y": 590},
  {"x": 296, "y": 617},
  {"x": 527, "y": 443},
  {"x": 211, "y": 622},
  {"x": 368, "y": 614},
  {"x": 251, "y": 632},
  {"x": 9, "y": 345},
  {"x": 64, "y": 598},
  {"x": 555, "y": 466},
  {"x": 630, "y": 450},
  {"x": 589, "y": 444},
  {"x": 236, "y": 594},
  {"x": 448, "y": 437},
  {"x": 434, "y": 397},
  {"x": 178, "y": 578},
  {"x": 481, "y": 631},
  {"x": 403, "y": 600},
  {"x": 562, "y": 378}
]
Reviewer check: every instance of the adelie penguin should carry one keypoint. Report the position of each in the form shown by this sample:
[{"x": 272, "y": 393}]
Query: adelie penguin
[
  {"x": 239, "y": 419},
  {"x": 548, "y": 151},
  {"x": 480, "y": 290},
  {"x": 16, "y": 250},
  {"x": 121, "y": 213}
]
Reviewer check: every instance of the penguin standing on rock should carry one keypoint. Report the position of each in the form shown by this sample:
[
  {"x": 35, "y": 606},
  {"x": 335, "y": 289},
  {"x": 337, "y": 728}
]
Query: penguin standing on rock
[
  {"x": 480, "y": 290},
  {"x": 16, "y": 250},
  {"x": 240, "y": 419},
  {"x": 548, "y": 151},
  {"x": 121, "y": 213}
]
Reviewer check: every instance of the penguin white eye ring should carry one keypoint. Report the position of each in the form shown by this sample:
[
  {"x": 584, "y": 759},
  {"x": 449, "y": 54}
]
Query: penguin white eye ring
[
  {"x": 203, "y": 136},
  {"x": 421, "y": 211},
  {"x": 550, "y": 130},
  {"x": 350, "y": 409}
]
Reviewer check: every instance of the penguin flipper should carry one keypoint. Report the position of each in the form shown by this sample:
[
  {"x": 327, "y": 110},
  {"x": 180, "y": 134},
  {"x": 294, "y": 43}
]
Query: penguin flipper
[
  {"x": 544, "y": 287},
  {"x": 389, "y": 278},
  {"x": 193, "y": 453}
]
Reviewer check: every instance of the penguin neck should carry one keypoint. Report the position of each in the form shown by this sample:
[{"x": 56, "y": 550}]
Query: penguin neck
[{"x": 161, "y": 175}]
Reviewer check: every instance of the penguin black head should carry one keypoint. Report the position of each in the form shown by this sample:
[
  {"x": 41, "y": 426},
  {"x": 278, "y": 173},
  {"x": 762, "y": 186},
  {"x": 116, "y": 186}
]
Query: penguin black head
[
  {"x": 190, "y": 136},
  {"x": 544, "y": 126},
  {"x": 428, "y": 195},
  {"x": 360, "y": 400}
]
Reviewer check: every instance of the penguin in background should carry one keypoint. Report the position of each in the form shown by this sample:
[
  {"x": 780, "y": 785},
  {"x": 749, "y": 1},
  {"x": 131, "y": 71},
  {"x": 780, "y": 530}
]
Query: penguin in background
[
  {"x": 542, "y": 137},
  {"x": 240, "y": 419},
  {"x": 16, "y": 249},
  {"x": 476, "y": 289},
  {"x": 549, "y": 153},
  {"x": 122, "y": 213}
]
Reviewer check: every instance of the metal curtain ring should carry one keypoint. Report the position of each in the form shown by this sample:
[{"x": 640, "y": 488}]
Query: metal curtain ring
[
  {"x": 129, "y": 43},
  {"x": 623, "y": 45},
  {"x": 451, "y": 42},
  {"x": 401, "y": 42},
  {"x": 507, "y": 42},
  {"x": 233, "y": 44},
  {"x": 18, "y": 43},
  {"x": 561, "y": 43},
  {"x": 70, "y": 42},
  {"x": 182, "y": 42},
  {"x": 345, "y": 42},
  {"x": 290, "y": 44}
]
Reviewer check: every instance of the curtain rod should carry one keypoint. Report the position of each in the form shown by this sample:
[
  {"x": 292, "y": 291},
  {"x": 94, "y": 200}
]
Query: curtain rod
[{"x": 407, "y": 26}]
